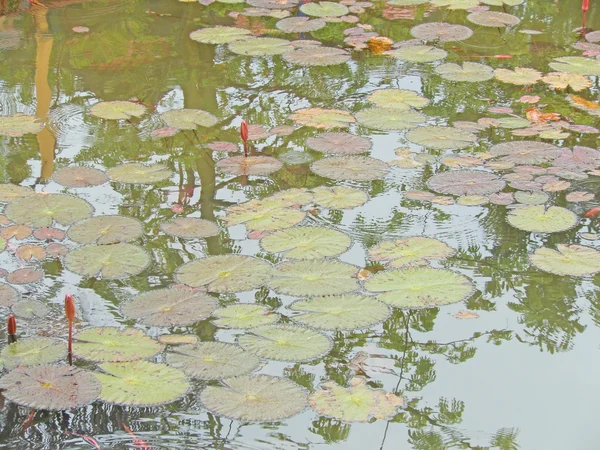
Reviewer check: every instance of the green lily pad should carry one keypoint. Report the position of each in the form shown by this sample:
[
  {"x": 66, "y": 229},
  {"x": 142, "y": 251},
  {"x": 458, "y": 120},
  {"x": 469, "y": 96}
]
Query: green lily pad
[
  {"x": 406, "y": 2},
  {"x": 306, "y": 242},
  {"x": 418, "y": 53},
  {"x": 79, "y": 176},
  {"x": 141, "y": 383},
  {"x": 312, "y": 278},
  {"x": 512, "y": 123},
  {"x": 322, "y": 118},
  {"x": 324, "y": 9},
  {"x": 493, "y": 19},
  {"x": 525, "y": 152},
  {"x": 531, "y": 198},
  {"x": 469, "y": 71},
  {"x": 220, "y": 35},
  {"x": 317, "y": 56},
  {"x": 225, "y": 273},
  {"x": 342, "y": 312},
  {"x": 249, "y": 165},
  {"x": 264, "y": 215},
  {"x": 357, "y": 403},
  {"x": 466, "y": 182},
  {"x": 412, "y": 251},
  {"x": 442, "y": 31},
  {"x": 420, "y": 287},
  {"x": 169, "y": 307},
  {"x": 213, "y": 360},
  {"x": 356, "y": 168},
  {"x": 108, "y": 261},
  {"x": 260, "y": 398},
  {"x": 261, "y": 46},
  {"x": 539, "y": 219},
  {"x": 30, "y": 309},
  {"x": 18, "y": 125},
  {"x": 188, "y": 119},
  {"x": 573, "y": 260},
  {"x": 8, "y": 295},
  {"x": 137, "y": 173},
  {"x": 577, "y": 65},
  {"x": 41, "y": 210},
  {"x": 107, "y": 344},
  {"x": 456, "y": 4},
  {"x": 50, "y": 387},
  {"x": 103, "y": 230},
  {"x": 300, "y": 24},
  {"x": 293, "y": 157},
  {"x": 117, "y": 110},
  {"x": 290, "y": 343},
  {"x": 398, "y": 99},
  {"x": 190, "y": 228},
  {"x": 32, "y": 352},
  {"x": 339, "y": 143},
  {"x": 244, "y": 316},
  {"x": 521, "y": 76},
  {"x": 441, "y": 138},
  {"x": 339, "y": 197},
  {"x": 11, "y": 192},
  {"x": 472, "y": 200},
  {"x": 390, "y": 119}
]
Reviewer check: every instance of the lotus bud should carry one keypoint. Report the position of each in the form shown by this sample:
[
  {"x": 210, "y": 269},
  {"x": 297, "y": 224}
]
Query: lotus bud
[
  {"x": 12, "y": 329},
  {"x": 585, "y": 4},
  {"x": 244, "y": 131},
  {"x": 69, "y": 307}
]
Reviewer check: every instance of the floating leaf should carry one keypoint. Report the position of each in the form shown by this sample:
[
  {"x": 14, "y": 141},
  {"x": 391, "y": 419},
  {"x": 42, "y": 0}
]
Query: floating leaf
[
  {"x": 294, "y": 196},
  {"x": 312, "y": 278},
  {"x": 49, "y": 233},
  {"x": 539, "y": 219},
  {"x": 11, "y": 192},
  {"x": 420, "y": 287},
  {"x": 220, "y": 35},
  {"x": 444, "y": 32},
  {"x": 412, "y": 251},
  {"x": 249, "y": 165},
  {"x": 324, "y": 9},
  {"x": 8, "y": 295},
  {"x": 398, "y": 99},
  {"x": 525, "y": 152},
  {"x": 244, "y": 316},
  {"x": 339, "y": 197},
  {"x": 169, "y": 307},
  {"x": 260, "y": 398},
  {"x": 573, "y": 260},
  {"x": 406, "y": 2},
  {"x": 580, "y": 158},
  {"x": 339, "y": 143},
  {"x": 141, "y": 383},
  {"x": 177, "y": 339},
  {"x": 52, "y": 387},
  {"x": 493, "y": 19},
  {"x": 285, "y": 343},
  {"x": 531, "y": 198},
  {"x": 79, "y": 177},
  {"x": 261, "y": 46},
  {"x": 579, "y": 196},
  {"x": 577, "y": 65},
  {"x": 390, "y": 119},
  {"x": 521, "y": 76},
  {"x": 32, "y": 352},
  {"x": 466, "y": 182},
  {"x": 502, "y": 2},
  {"x": 18, "y": 232},
  {"x": 225, "y": 273},
  {"x": 472, "y": 200},
  {"x": 42, "y": 210},
  {"x": 343, "y": 312},
  {"x": 306, "y": 242},
  {"x": 456, "y": 4},
  {"x": 265, "y": 215},
  {"x": 357, "y": 403},
  {"x": 300, "y": 24},
  {"x": 273, "y": 4},
  {"x": 213, "y": 360},
  {"x": 319, "y": 56},
  {"x": 117, "y": 110},
  {"x": 19, "y": 125},
  {"x": 563, "y": 81},
  {"x": 418, "y": 53},
  {"x": 322, "y": 118},
  {"x": 108, "y": 261},
  {"x": 29, "y": 252},
  {"x": 469, "y": 71},
  {"x": 136, "y": 173},
  {"x": 465, "y": 314},
  {"x": 357, "y": 168},
  {"x": 106, "y": 344},
  {"x": 188, "y": 119},
  {"x": 190, "y": 228},
  {"x": 25, "y": 275},
  {"x": 103, "y": 230},
  {"x": 30, "y": 309},
  {"x": 441, "y": 138}
]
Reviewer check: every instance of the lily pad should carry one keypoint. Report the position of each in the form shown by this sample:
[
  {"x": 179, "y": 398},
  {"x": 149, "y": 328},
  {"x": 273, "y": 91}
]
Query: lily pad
[
  {"x": 50, "y": 387},
  {"x": 213, "y": 360},
  {"x": 442, "y": 31},
  {"x": 472, "y": 200},
  {"x": 412, "y": 251},
  {"x": 190, "y": 228},
  {"x": 289, "y": 343},
  {"x": 103, "y": 230},
  {"x": 573, "y": 260},
  {"x": 141, "y": 383},
  {"x": 322, "y": 118},
  {"x": 261, "y": 46},
  {"x": 539, "y": 219},
  {"x": 11, "y": 192},
  {"x": 531, "y": 198},
  {"x": 521, "y": 76},
  {"x": 188, "y": 119},
  {"x": 418, "y": 53},
  {"x": 502, "y": 2},
  {"x": 25, "y": 275},
  {"x": 137, "y": 173},
  {"x": 466, "y": 182},
  {"x": 469, "y": 71},
  {"x": 525, "y": 152},
  {"x": 32, "y": 352},
  {"x": 357, "y": 403},
  {"x": 41, "y": 210},
  {"x": 108, "y": 261},
  {"x": 493, "y": 19},
  {"x": 577, "y": 65},
  {"x": 441, "y": 138},
  {"x": 18, "y": 125},
  {"x": 169, "y": 307},
  {"x": 343, "y": 312},
  {"x": 339, "y": 143},
  {"x": 390, "y": 119},
  {"x": 107, "y": 344},
  {"x": 273, "y": 4},
  {"x": 420, "y": 287},
  {"x": 324, "y": 9},
  {"x": 312, "y": 278},
  {"x": 455, "y": 4},
  {"x": 225, "y": 273},
  {"x": 356, "y": 168},
  {"x": 398, "y": 99},
  {"x": 249, "y": 165},
  {"x": 220, "y": 35},
  {"x": 339, "y": 197},
  {"x": 117, "y": 110},
  {"x": 306, "y": 242},
  {"x": 265, "y": 215},
  {"x": 563, "y": 81},
  {"x": 300, "y": 24},
  {"x": 244, "y": 316},
  {"x": 260, "y": 398},
  {"x": 8, "y": 295},
  {"x": 18, "y": 232},
  {"x": 30, "y": 309},
  {"x": 578, "y": 159},
  {"x": 317, "y": 56},
  {"x": 79, "y": 177},
  {"x": 29, "y": 252}
]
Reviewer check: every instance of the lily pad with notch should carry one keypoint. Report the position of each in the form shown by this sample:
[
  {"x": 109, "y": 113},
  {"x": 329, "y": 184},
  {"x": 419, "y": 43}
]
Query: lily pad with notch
[
  {"x": 32, "y": 352},
  {"x": 339, "y": 197},
  {"x": 324, "y": 9},
  {"x": 418, "y": 53},
  {"x": 317, "y": 56},
  {"x": 220, "y": 35},
  {"x": 442, "y": 31},
  {"x": 75, "y": 176},
  {"x": 300, "y": 24},
  {"x": 469, "y": 71},
  {"x": 355, "y": 168},
  {"x": 18, "y": 125},
  {"x": 264, "y": 215},
  {"x": 30, "y": 309},
  {"x": 573, "y": 260},
  {"x": 412, "y": 251},
  {"x": 539, "y": 219},
  {"x": 306, "y": 242},
  {"x": 441, "y": 138},
  {"x": 109, "y": 344},
  {"x": 249, "y": 165},
  {"x": 466, "y": 182},
  {"x": 104, "y": 230},
  {"x": 117, "y": 110},
  {"x": 260, "y": 46},
  {"x": 390, "y": 119},
  {"x": 110, "y": 262},
  {"x": 322, "y": 118},
  {"x": 190, "y": 227},
  {"x": 398, "y": 99},
  {"x": 41, "y": 210},
  {"x": 339, "y": 143},
  {"x": 244, "y": 316},
  {"x": 8, "y": 295},
  {"x": 137, "y": 173},
  {"x": 188, "y": 119},
  {"x": 11, "y": 192},
  {"x": 525, "y": 152},
  {"x": 493, "y": 19}
]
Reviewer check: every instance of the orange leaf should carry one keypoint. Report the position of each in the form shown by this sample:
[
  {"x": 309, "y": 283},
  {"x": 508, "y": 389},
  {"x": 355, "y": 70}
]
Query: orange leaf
[
  {"x": 580, "y": 101},
  {"x": 464, "y": 314},
  {"x": 379, "y": 44}
]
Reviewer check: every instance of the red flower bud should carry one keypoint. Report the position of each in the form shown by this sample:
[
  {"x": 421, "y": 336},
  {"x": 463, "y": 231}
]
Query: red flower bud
[
  {"x": 12, "y": 325},
  {"x": 69, "y": 307},
  {"x": 585, "y": 4},
  {"x": 244, "y": 131}
]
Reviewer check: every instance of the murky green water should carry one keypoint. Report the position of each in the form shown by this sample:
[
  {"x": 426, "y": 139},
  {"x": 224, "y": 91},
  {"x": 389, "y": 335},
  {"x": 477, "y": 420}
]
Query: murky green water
[{"x": 520, "y": 371}]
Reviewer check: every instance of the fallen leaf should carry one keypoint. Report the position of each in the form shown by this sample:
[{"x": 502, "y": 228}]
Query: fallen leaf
[
  {"x": 363, "y": 274},
  {"x": 530, "y": 99},
  {"x": 579, "y": 196},
  {"x": 464, "y": 314}
]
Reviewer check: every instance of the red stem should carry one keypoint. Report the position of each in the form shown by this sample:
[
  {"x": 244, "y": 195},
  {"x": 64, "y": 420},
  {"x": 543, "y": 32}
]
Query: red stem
[{"x": 70, "y": 344}]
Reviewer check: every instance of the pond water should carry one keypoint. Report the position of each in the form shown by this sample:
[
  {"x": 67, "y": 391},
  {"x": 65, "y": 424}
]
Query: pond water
[{"x": 452, "y": 276}]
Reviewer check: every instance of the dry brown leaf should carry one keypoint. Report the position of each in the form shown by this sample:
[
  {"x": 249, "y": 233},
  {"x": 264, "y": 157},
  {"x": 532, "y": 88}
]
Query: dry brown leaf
[{"x": 465, "y": 314}]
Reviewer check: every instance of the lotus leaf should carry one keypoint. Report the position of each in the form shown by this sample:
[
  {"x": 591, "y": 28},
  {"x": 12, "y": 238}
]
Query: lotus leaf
[
  {"x": 136, "y": 173},
  {"x": 30, "y": 309},
  {"x": 398, "y": 99},
  {"x": 108, "y": 261},
  {"x": 420, "y": 287},
  {"x": 41, "y": 210},
  {"x": 249, "y": 165},
  {"x": 265, "y": 215},
  {"x": 525, "y": 152},
  {"x": 107, "y": 344},
  {"x": 225, "y": 273},
  {"x": 469, "y": 71},
  {"x": 493, "y": 19},
  {"x": 356, "y": 168},
  {"x": 390, "y": 119},
  {"x": 79, "y": 176},
  {"x": 104, "y": 230},
  {"x": 319, "y": 56},
  {"x": 456, "y": 4},
  {"x": 117, "y": 110},
  {"x": 300, "y": 25},
  {"x": 412, "y": 251},
  {"x": 260, "y": 398},
  {"x": 32, "y": 352},
  {"x": 260, "y": 46},
  {"x": 306, "y": 242},
  {"x": 11, "y": 192},
  {"x": 577, "y": 65},
  {"x": 189, "y": 228},
  {"x": 573, "y": 260},
  {"x": 441, "y": 138},
  {"x": 521, "y": 76},
  {"x": 322, "y": 118},
  {"x": 8, "y": 295},
  {"x": 339, "y": 197},
  {"x": 339, "y": 143},
  {"x": 220, "y": 35},
  {"x": 563, "y": 81},
  {"x": 539, "y": 219},
  {"x": 17, "y": 125},
  {"x": 188, "y": 119},
  {"x": 531, "y": 198},
  {"x": 466, "y": 182},
  {"x": 324, "y": 9},
  {"x": 244, "y": 316},
  {"x": 418, "y": 53},
  {"x": 444, "y": 32}
]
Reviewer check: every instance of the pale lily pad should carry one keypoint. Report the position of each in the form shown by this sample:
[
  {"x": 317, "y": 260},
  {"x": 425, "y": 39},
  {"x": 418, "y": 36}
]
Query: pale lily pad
[
  {"x": 573, "y": 260},
  {"x": 539, "y": 219},
  {"x": 319, "y": 56},
  {"x": 265, "y": 215},
  {"x": 178, "y": 339},
  {"x": 188, "y": 119},
  {"x": 18, "y": 232},
  {"x": 249, "y": 165},
  {"x": 312, "y": 278},
  {"x": 512, "y": 123},
  {"x": 406, "y": 2},
  {"x": 118, "y": 110},
  {"x": 261, "y": 46},
  {"x": 493, "y": 19},
  {"x": 324, "y": 9},
  {"x": 420, "y": 287},
  {"x": 25, "y": 275},
  {"x": 456, "y": 4},
  {"x": 213, "y": 360},
  {"x": 11, "y": 192},
  {"x": 442, "y": 31},
  {"x": 343, "y": 312},
  {"x": 306, "y": 242},
  {"x": 30, "y": 309},
  {"x": 469, "y": 71},
  {"x": 322, "y": 118},
  {"x": 32, "y": 352},
  {"x": 466, "y": 182},
  {"x": 300, "y": 24},
  {"x": 531, "y": 198},
  {"x": 390, "y": 119},
  {"x": 418, "y": 53},
  {"x": 273, "y": 4},
  {"x": 472, "y": 200},
  {"x": 141, "y": 383},
  {"x": 339, "y": 197},
  {"x": 190, "y": 228},
  {"x": 339, "y": 143},
  {"x": 79, "y": 176},
  {"x": 107, "y": 344},
  {"x": 357, "y": 403},
  {"x": 41, "y": 210},
  {"x": 104, "y": 230},
  {"x": 169, "y": 307},
  {"x": 525, "y": 152},
  {"x": 108, "y": 261},
  {"x": 521, "y": 76},
  {"x": 50, "y": 387},
  {"x": 563, "y": 81},
  {"x": 19, "y": 125},
  {"x": 412, "y": 251},
  {"x": 293, "y": 157},
  {"x": 289, "y": 343},
  {"x": 502, "y": 2},
  {"x": 8, "y": 295},
  {"x": 220, "y": 35},
  {"x": 225, "y": 273},
  {"x": 137, "y": 173},
  {"x": 356, "y": 168},
  {"x": 293, "y": 196},
  {"x": 244, "y": 316},
  {"x": 441, "y": 138},
  {"x": 260, "y": 398},
  {"x": 577, "y": 65},
  {"x": 398, "y": 99},
  {"x": 578, "y": 159}
]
